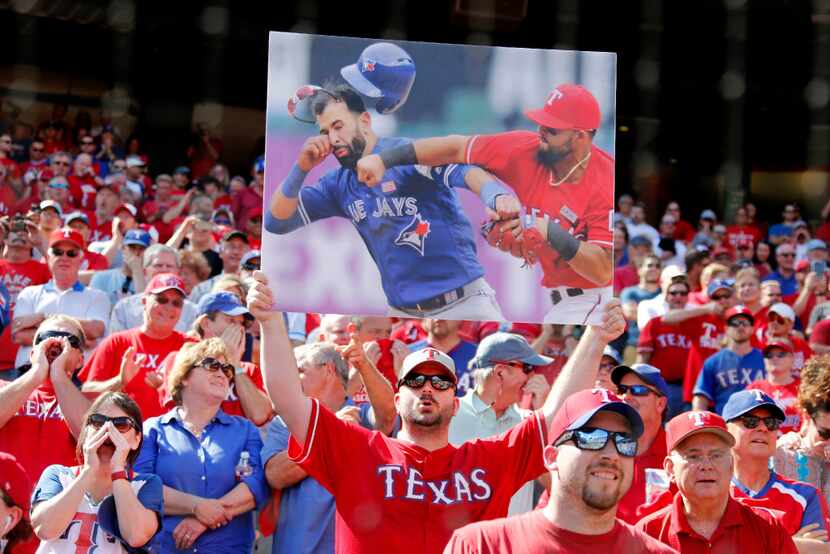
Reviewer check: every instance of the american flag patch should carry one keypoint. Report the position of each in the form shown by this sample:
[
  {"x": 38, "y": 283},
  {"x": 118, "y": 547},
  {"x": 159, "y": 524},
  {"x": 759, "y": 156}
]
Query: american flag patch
[{"x": 388, "y": 186}]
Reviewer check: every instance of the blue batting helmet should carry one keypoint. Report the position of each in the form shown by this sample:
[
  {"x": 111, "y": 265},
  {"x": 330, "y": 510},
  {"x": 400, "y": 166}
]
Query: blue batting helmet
[{"x": 385, "y": 73}]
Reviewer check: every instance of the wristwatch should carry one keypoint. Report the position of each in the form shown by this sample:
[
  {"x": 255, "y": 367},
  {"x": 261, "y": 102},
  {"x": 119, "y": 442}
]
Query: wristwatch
[
  {"x": 115, "y": 475},
  {"x": 239, "y": 370}
]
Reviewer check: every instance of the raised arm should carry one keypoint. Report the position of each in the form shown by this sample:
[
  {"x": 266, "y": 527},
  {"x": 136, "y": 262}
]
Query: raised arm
[
  {"x": 278, "y": 365},
  {"x": 580, "y": 370},
  {"x": 430, "y": 151},
  {"x": 381, "y": 395}
]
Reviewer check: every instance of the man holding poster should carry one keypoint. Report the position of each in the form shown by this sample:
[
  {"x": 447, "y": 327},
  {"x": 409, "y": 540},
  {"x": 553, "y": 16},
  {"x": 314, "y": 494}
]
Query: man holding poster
[
  {"x": 563, "y": 180},
  {"x": 412, "y": 223}
]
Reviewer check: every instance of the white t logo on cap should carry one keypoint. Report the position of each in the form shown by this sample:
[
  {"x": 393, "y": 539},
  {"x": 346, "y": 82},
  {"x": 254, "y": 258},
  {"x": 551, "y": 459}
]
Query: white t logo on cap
[
  {"x": 759, "y": 396},
  {"x": 604, "y": 393},
  {"x": 66, "y": 233},
  {"x": 698, "y": 417},
  {"x": 554, "y": 96}
]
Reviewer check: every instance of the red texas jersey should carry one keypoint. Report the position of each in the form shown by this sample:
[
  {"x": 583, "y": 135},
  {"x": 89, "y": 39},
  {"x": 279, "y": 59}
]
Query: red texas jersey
[
  {"x": 584, "y": 209},
  {"x": 393, "y": 496}
]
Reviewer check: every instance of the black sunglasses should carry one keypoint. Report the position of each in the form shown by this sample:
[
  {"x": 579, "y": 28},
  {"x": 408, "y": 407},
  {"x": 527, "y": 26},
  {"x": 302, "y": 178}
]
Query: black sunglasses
[
  {"x": 60, "y": 252},
  {"x": 418, "y": 380},
  {"x": 74, "y": 341},
  {"x": 751, "y": 422},
  {"x": 163, "y": 300},
  {"x": 213, "y": 365},
  {"x": 121, "y": 423},
  {"x": 527, "y": 368},
  {"x": 250, "y": 266},
  {"x": 823, "y": 432},
  {"x": 636, "y": 390},
  {"x": 590, "y": 438}
]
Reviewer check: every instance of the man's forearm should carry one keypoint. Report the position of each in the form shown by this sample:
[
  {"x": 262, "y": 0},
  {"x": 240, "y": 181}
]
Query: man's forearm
[
  {"x": 381, "y": 395},
  {"x": 593, "y": 262},
  {"x": 676, "y": 316},
  {"x": 255, "y": 404},
  {"x": 441, "y": 150},
  {"x": 239, "y": 500},
  {"x": 13, "y": 395},
  {"x": 98, "y": 387},
  {"x": 72, "y": 402},
  {"x": 281, "y": 473}
]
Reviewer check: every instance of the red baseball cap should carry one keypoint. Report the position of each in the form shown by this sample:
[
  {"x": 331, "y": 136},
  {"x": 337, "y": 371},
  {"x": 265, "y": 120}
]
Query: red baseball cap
[
  {"x": 581, "y": 407},
  {"x": 15, "y": 481},
  {"x": 778, "y": 343},
  {"x": 568, "y": 107},
  {"x": 129, "y": 207},
  {"x": 66, "y": 235},
  {"x": 163, "y": 282},
  {"x": 685, "y": 425},
  {"x": 256, "y": 212},
  {"x": 739, "y": 310}
]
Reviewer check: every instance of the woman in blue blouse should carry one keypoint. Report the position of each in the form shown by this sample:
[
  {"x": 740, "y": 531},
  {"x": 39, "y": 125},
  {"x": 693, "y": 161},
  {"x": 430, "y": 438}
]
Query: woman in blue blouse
[{"x": 195, "y": 449}]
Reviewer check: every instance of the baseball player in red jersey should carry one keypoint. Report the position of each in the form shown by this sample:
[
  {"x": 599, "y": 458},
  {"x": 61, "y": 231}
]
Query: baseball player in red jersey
[
  {"x": 409, "y": 494},
  {"x": 564, "y": 182}
]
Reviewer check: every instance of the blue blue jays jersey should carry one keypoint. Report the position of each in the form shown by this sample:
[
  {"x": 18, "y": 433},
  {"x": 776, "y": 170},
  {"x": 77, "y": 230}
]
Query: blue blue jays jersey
[{"x": 412, "y": 223}]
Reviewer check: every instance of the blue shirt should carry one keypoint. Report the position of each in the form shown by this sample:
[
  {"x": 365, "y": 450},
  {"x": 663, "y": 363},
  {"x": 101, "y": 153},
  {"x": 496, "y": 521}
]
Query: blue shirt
[
  {"x": 635, "y": 294},
  {"x": 725, "y": 373},
  {"x": 789, "y": 285},
  {"x": 412, "y": 224},
  {"x": 204, "y": 467},
  {"x": 306, "y": 523},
  {"x": 111, "y": 281},
  {"x": 781, "y": 230},
  {"x": 795, "y": 493},
  {"x": 461, "y": 354}
]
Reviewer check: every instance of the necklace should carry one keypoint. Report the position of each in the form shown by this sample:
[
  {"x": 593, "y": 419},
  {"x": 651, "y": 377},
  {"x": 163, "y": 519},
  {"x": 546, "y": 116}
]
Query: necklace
[{"x": 569, "y": 173}]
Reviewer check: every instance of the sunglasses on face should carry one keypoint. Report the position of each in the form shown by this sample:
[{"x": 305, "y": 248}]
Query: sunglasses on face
[
  {"x": 718, "y": 297},
  {"x": 74, "y": 341},
  {"x": 786, "y": 254},
  {"x": 526, "y": 368},
  {"x": 58, "y": 252},
  {"x": 739, "y": 323},
  {"x": 823, "y": 432},
  {"x": 213, "y": 365},
  {"x": 678, "y": 293},
  {"x": 250, "y": 266},
  {"x": 776, "y": 354},
  {"x": 589, "y": 438},
  {"x": 87, "y": 142},
  {"x": 636, "y": 390},
  {"x": 418, "y": 380},
  {"x": 163, "y": 300},
  {"x": 773, "y": 318},
  {"x": 121, "y": 423},
  {"x": 751, "y": 422},
  {"x": 60, "y": 163},
  {"x": 36, "y": 149}
]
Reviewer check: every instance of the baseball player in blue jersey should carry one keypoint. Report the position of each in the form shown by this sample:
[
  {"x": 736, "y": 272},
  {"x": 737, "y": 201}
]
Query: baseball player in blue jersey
[{"x": 412, "y": 223}]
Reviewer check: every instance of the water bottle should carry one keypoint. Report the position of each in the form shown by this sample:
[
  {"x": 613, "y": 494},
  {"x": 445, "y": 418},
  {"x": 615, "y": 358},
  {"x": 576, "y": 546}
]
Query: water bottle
[{"x": 243, "y": 468}]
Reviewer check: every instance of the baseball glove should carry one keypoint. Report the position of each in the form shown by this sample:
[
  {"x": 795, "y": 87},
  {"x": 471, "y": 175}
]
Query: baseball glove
[{"x": 526, "y": 245}]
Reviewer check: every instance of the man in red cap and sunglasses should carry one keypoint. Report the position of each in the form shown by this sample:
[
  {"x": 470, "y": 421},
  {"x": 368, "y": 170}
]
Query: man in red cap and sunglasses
[
  {"x": 703, "y": 517},
  {"x": 562, "y": 179},
  {"x": 591, "y": 463},
  {"x": 409, "y": 494}
]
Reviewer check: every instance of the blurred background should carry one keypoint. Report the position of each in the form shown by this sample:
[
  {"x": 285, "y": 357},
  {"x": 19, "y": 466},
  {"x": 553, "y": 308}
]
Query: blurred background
[{"x": 718, "y": 102}]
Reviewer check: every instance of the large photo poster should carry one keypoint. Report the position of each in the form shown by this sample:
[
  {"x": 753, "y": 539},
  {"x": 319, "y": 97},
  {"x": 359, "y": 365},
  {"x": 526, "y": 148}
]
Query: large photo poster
[{"x": 436, "y": 180}]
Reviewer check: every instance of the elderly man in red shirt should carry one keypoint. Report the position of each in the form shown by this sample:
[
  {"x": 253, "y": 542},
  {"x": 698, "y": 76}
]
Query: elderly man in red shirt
[{"x": 703, "y": 517}]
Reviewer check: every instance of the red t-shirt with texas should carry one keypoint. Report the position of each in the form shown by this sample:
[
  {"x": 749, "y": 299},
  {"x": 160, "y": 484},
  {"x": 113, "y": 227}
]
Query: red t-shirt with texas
[
  {"x": 37, "y": 435},
  {"x": 706, "y": 335},
  {"x": 16, "y": 277},
  {"x": 786, "y": 396},
  {"x": 585, "y": 209},
  {"x": 534, "y": 533},
  {"x": 105, "y": 363},
  {"x": 669, "y": 345},
  {"x": 394, "y": 496}
]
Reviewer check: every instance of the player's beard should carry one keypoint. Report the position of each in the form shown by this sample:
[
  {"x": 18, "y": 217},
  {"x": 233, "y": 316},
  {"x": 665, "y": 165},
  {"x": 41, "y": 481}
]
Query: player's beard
[
  {"x": 436, "y": 419},
  {"x": 549, "y": 157},
  {"x": 356, "y": 148}
]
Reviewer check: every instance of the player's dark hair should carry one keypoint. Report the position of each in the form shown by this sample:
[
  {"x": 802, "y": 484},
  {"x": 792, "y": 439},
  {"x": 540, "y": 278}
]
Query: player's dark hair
[
  {"x": 338, "y": 93},
  {"x": 694, "y": 258}
]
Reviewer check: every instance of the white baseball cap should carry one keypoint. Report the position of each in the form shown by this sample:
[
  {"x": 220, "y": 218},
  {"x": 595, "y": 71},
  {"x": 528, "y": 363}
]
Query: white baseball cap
[
  {"x": 430, "y": 356},
  {"x": 783, "y": 310}
]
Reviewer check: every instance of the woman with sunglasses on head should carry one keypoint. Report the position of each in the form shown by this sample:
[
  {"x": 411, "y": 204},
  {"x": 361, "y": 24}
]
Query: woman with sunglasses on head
[
  {"x": 72, "y": 505},
  {"x": 41, "y": 411},
  {"x": 208, "y": 460},
  {"x": 805, "y": 454}
]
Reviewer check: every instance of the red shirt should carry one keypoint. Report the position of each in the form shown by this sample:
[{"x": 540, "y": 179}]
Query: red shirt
[
  {"x": 624, "y": 277},
  {"x": 534, "y": 533},
  {"x": 706, "y": 334},
  {"x": 394, "y": 496},
  {"x": 37, "y": 435},
  {"x": 801, "y": 348},
  {"x": 16, "y": 277},
  {"x": 786, "y": 396},
  {"x": 101, "y": 231},
  {"x": 584, "y": 209},
  {"x": 94, "y": 261},
  {"x": 83, "y": 191},
  {"x": 105, "y": 363},
  {"x": 669, "y": 345},
  {"x": 821, "y": 333},
  {"x": 8, "y": 200},
  {"x": 409, "y": 331},
  {"x": 741, "y": 233},
  {"x": 741, "y": 529},
  {"x": 636, "y": 495},
  {"x": 684, "y": 231}
]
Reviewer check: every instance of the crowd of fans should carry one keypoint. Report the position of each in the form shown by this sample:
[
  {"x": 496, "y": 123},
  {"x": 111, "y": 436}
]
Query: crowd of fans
[{"x": 135, "y": 413}]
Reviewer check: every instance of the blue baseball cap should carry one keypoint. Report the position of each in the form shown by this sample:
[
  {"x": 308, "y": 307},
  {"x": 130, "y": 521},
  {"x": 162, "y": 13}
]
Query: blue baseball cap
[
  {"x": 182, "y": 170},
  {"x": 816, "y": 244},
  {"x": 639, "y": 240},
  {"x": 138, "y": 237},
  {"x": 745, "y": 401},
  {"x": 612, "y": 353},
  {"x": 222, "y": 301},
  {"x": 646, "y": 372},
  {"x": 507, "y": 347},
  {"x": 719, "y": 284}
]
